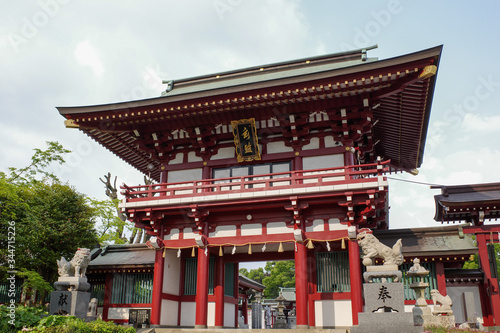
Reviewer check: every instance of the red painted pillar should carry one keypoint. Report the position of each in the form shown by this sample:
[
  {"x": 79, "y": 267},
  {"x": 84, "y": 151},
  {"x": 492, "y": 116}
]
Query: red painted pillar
[
  {"x": 202, "y": 290},
  {"x": 244, "y": 309},
  {"x": 235, "y": 291},
  {"x": 108, "y": 287},
  {"x": 219, "y": 292},
  {"x": 492, "y": 317},
  {"x": 301, "y": 285},
  {"x": 311, "y": 270},
  {"x": 157, "y": 283},
  {"x": 441, "y": 279},
  {"x": 356, "y": 280}
]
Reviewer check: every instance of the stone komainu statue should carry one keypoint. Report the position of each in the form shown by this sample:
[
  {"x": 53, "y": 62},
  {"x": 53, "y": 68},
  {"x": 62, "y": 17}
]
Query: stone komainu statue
[
  {"x": 77, "y": 266},
  {"x": 442, "y": 304},
  {"x": 373, "y": 248}
]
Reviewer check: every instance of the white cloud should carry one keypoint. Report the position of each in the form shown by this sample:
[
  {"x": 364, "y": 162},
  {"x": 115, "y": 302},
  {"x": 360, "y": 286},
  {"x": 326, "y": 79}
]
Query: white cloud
[
  {"x": 474, "y": 122},
  {"x": 86, "y": 55}
]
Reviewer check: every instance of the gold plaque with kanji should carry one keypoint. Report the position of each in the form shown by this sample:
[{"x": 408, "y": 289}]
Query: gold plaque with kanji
[{"x": 245, "y": 140}]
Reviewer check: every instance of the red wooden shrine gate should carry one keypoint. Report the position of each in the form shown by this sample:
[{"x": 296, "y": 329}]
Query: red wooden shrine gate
[{"x": 270, "y": 162}]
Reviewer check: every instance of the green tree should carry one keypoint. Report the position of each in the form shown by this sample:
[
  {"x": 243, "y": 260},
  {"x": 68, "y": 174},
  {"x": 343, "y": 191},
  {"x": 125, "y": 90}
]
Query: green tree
[
  {"x": 256, "y": 274},
  {"x": 42, "y": 218},
  {"x": 474, "y": 264},
  {"x": 107, "y": 222},
  {"x": 279, "y": 274},
  {"x": 275, "y": 275},
  {"x": 59, "y": 220}
]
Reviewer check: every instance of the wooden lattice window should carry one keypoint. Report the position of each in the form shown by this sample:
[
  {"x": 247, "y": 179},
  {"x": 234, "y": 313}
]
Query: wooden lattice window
[
  {"x": 333, "y": 272},
  {"x": 191, "y": 273},
  {"x": 229, "y": 272},
  {"x": 97, "y": 285},
  {"x": 132, "y": 288}
]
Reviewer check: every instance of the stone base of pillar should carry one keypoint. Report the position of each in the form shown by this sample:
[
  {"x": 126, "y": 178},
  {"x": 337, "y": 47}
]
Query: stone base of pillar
[{"x": 73, "y": 303}]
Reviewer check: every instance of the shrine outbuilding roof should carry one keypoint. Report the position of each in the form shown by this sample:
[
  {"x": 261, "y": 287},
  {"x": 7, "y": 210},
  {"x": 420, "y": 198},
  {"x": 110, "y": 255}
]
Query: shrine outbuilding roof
[
  {"x": 126, "y": 255},
  {"x": 401, "y": 90},
  {"x": 249, "y": 283},
  {"x": 469, "y": 203},
  {"x": 447, "y": 241}
]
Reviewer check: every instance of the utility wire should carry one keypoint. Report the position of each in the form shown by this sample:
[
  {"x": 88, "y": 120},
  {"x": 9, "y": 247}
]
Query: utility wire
[{"x": 414, "y": 182}]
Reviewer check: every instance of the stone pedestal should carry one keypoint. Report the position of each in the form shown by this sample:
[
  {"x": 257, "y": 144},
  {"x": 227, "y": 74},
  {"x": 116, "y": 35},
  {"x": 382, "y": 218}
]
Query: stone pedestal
[
  {"x": 421, "y": 315},
  {"x": 71, "y": 297},
  {"x": 388, "y": 322},
  {"x": 419, "y": 288},
  {"x": 383, "y": 272},
  {"x": 72, "y": 283},
  {"x": 74, "y": 303},
  {"x": 384, "y": 310},
  {"x": 280, "y": 323}
]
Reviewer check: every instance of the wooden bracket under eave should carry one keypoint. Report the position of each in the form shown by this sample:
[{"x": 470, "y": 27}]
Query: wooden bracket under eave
[
  {"x": 427, "y": 72},
  {"x": 70, "y": 123}
]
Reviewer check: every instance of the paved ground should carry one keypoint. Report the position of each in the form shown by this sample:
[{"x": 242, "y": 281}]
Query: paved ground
[{"x": 234, "y": 330}]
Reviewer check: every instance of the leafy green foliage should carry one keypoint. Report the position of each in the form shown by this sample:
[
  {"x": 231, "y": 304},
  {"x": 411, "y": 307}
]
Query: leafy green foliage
[
  {"x": 30, "y": 318},
  {"x": 58, "y": 222},
  {"x": 55, "y": 320},
  {"x": 70, "y": 324},
  {"x": 441, "y": 329},
  {"x": 107, "y": 222},
  {"x": 474, "y": 264},
  {"x": 33, "y": 281},
  {"x": 40, "y": 160},
  {"x": 45, "y": 218},
  {"x": 254, "y": 274},
  {"x": 24, "y": 316},
  {"x": 275, "y": 274},
  {"x": 281, "y": 274}
]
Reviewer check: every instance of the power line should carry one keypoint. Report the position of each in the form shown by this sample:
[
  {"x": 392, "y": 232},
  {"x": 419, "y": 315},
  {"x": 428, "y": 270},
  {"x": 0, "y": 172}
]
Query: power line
[{"x": 414, "y": 182}]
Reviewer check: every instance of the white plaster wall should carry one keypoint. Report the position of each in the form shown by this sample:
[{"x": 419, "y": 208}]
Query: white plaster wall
[
  {"x": 179, "y": 157},
  {"x": 334, "y": 224},
  {"x": 330, "y": 142},
  {"x": 171, "y": 273},
  {"x": 456, "y": 295},
  {"x": 188, "y": 311},
  {"x": 278, "y": 228},
  {"x": 323, "y": 162},
  {"x": 193, "y": 158},
  {"x": 278, "y": 147},
  {"x": 178, "y": 176},
  {"x": 211, "y": 314},
  {"x": 169, "y": 312},
  {"x": 227, "y": 152},
  {"x": 229, "y": 314},
  {"x": 317, "y": 225},
  {"x": 313, "y": 144},
  {"x": 251, "y": 229},
  {"x": 331, "y": 313},
  {"x": 224, "y": 231},
  {"x": 188, "y": 233},
  {"x": 174, "y": 234}
]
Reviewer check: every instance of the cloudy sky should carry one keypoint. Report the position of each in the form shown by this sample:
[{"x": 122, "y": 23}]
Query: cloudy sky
[{"x": 76, "y": 52}]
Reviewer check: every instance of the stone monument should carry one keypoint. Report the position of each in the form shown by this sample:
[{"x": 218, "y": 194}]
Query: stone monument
[
  {"x": 257, "y": 311},
  {"x": 421, "y": 311},
  {"x": 442, "y": 315},
  {"x": 71, "y": 295},
  {"x": 280, "y": 315},
  {"x": 384, "y": 299}
]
